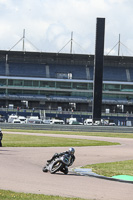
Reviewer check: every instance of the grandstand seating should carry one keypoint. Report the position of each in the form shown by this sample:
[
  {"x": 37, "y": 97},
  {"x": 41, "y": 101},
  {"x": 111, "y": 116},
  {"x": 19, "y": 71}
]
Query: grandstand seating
[
  {"x": 27, "y": 70},
  {"x": 78, "y": 72},
  {"x": 131, "y": 73},
  {"x": 110, "y": 73},
  {"x": 91, "y": 72},
  {"x": 39, "y": 70},
  {"x": 2, "y": 68}
]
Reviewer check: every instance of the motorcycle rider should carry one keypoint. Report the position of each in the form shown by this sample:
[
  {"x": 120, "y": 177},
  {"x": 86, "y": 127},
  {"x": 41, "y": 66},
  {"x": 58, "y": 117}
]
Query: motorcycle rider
[{"x": 71, "y": 152}]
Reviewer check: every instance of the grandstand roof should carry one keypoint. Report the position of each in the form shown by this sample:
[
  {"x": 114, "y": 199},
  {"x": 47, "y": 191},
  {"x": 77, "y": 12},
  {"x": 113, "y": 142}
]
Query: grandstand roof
[{"x": 45, "y": 57}]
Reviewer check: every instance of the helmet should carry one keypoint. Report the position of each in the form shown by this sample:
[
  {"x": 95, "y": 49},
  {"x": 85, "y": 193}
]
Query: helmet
[{"x": 71, "y": 150}]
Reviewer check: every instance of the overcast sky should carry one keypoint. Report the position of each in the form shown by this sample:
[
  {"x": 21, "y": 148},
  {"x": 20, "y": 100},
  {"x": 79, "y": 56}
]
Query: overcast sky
[{"x": 48, "y": 25}]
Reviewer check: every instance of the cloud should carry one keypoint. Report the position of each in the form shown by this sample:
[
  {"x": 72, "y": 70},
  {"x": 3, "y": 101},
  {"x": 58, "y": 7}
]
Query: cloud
[{"x": 49, "y": 23}]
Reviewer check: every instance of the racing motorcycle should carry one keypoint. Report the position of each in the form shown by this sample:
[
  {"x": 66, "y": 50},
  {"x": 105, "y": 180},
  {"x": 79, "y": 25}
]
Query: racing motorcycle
[{"x": 58, "y": 164}]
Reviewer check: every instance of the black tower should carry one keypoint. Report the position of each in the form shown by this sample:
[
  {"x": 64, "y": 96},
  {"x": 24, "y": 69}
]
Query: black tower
[{"x": 98, "y": 69}]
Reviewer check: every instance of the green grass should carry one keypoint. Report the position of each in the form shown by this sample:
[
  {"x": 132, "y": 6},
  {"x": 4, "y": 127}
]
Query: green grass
[
  {"x": 101, "y": 134},
  {"x": 113, "y": 168},
  {"x": 14, "y": 140},
  {"x": 8, "y": 195}
]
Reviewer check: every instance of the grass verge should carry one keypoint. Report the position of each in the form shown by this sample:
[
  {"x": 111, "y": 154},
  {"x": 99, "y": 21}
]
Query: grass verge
[
  {"x": 9, "y": 195},
  {"x": 101, "y": 134},
  {"x": 113, "y": 168},
  {"x": 14, "y": 140}
]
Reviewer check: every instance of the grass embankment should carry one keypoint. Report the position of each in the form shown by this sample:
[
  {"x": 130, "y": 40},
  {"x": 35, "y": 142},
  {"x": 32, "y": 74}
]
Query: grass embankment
[
  {"x": 8, "y": 195},
  {"x": 113, "y": 168},
  {"x": 101, "y": 134},
  {"x": 14, "y": 140}
]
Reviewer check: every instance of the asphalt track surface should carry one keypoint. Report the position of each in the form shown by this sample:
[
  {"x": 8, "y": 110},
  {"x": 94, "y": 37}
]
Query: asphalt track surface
[{"x": 21, "y": 170}]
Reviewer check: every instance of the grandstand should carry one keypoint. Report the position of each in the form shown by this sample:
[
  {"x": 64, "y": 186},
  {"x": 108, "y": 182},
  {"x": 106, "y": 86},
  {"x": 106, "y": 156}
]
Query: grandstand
[{"x": 52, "y": 80}]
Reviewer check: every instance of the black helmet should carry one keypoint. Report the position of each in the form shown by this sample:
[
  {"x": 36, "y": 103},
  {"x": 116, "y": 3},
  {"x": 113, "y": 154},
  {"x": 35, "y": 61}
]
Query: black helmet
[{"x": 71, "y": 150}]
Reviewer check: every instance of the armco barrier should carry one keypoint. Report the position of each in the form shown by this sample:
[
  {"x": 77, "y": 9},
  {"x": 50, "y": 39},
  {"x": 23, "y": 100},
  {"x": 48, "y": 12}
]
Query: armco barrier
[{"x": 83, "y": 128}]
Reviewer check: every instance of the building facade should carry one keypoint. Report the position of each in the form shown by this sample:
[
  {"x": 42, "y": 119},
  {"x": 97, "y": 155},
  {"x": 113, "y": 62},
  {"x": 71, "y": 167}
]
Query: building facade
[{"x": 51, "y": 80}]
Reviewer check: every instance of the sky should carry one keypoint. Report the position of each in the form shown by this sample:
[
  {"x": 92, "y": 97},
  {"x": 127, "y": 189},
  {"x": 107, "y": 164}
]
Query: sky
[{"x": 49, "y": 24}]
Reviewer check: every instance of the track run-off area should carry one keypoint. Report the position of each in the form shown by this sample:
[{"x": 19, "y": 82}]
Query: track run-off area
[{"x": 21, "y": 170}]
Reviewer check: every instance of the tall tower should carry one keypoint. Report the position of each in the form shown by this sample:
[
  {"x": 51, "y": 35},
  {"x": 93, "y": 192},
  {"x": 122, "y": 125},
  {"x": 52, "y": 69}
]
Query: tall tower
[{"x": 98, "y": 69}]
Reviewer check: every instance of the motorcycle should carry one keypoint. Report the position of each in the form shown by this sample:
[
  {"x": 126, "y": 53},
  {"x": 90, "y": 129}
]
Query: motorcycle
[{"x": 58, "y": 164}]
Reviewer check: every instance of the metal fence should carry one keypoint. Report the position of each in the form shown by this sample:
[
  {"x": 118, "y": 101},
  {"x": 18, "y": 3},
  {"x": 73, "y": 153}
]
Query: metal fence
[{"x": 78, "y": 128}]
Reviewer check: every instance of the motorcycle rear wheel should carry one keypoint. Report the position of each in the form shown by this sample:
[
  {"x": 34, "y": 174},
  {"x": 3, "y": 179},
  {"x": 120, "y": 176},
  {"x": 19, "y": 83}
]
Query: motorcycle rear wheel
[
  {"x": 44, "y": 169},
  {"x": 56, "y": 167}
]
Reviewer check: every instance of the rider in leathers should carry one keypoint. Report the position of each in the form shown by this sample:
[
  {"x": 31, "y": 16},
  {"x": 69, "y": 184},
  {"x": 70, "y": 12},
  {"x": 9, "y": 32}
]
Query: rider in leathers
[{"x": 71, "y": 151}]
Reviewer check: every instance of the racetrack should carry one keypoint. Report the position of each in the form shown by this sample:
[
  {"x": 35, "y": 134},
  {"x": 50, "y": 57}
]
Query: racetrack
[{"x": 21, "y": 170}]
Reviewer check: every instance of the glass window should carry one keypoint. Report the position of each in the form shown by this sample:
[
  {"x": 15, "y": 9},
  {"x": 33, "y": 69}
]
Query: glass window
[
  {"x": 2, "y": 91},
  {"x": 80, "y": 86},
  {"x": 127, "y": 88},
  {"x": 36, "y": 83},
  {"x": 90, "y": 86},
  {"x": 63, "y": 93},
  {"x": 62, "y": 75},
  {"x": 17, "y": 82},
  {"x": 82, "y": 94},
  {"x": 14, "y": 91},
  {"x": 112, "y": 87},
  {"x": 64, "y": 85},
  {"x": 47, "y": 92},
  {"x": 10, "y": 82},
  {"x": 47, "y": 84},
  {"x": 117, "y": 96},
  {"x": 30, "y": 91},
  {"x": 2, "y": 82},
  {"x": 27, "y": 83}
]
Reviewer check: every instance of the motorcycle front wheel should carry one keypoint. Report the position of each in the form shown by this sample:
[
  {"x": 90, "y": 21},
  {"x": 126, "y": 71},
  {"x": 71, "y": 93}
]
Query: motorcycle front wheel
[
  {"x": 56, "y": 167},
  {"x": 65, "y": 170}
]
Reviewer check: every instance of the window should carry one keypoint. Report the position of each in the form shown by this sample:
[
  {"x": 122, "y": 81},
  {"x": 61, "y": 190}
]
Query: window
[
  {"x": 2, "y": 91},
  {"x": 80, "y": 86},
  {"x": 2, "y": 82},
  {"x": 64, "y": 75},
  {"x": 10, "y": 82},
  {"x": 82, "y": 94},
  {"x": 27, "y": 83},
  {"x": 36, "y": 83},
  {"x": 64, "y": 85},
  {"x": 15, "y": 92},
  {"x": 112, "y": 87},
  {"x": 34, "y": 92},
  {"x": 90, "y": 86},
  {"x": 47, "y": 84},
  {"x": 15, "y": 82},
  {"x": 127, "y": 88}
]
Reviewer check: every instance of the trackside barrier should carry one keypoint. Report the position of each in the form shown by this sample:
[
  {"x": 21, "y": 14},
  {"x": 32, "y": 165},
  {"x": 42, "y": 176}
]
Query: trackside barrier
[{"x": 79, "y": 128}]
